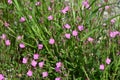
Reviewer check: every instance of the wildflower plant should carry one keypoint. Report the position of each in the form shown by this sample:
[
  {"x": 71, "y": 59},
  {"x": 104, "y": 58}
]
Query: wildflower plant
[{"x": 59, "y": 40}]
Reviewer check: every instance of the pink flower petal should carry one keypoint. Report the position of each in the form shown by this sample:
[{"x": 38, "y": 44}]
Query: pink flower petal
[
  {"x": 44, "y": 74},
  {"x": 102, "y": 67},
  {"x": 7, "y": 42},
  {"x": 29, "y": 73},
  {"x": 51, "y": 41},
  {"x": 41, "y": 64},
  {"x": 108, "y": 61},
  {"x": 74, "y": 33},
  {"x": 36, "y": 56},
  {"x": 33, "y": 63}
]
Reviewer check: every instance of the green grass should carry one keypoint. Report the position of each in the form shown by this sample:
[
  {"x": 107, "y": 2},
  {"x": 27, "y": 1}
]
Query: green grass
[{"x": 80, "y": 58}]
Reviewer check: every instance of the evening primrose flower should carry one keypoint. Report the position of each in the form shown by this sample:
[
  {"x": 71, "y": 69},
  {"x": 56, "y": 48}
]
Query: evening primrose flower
[
  {"x": 90, "y": 39},
  {"x": 22, "y": 19},
  {"x": 107, "y": 7},
  {"x": 41, "y": 64},
  {"x": 9, "y": 1},
  {"x": 57, "y": 78},
  {"x": 44, "y": 74},
  {"x": 67, "y": 35},
  {"x": 57, "y": 69},
  {"x": 50, "y": 17},
  {"x": 21, "y": 45},
  {"x": 36, "y": 56},
  {"x": 65, "y": 10},
  {"x": 102, "y": 67},
  {"x": 37, "y": 3},
  {"x": 49, "y": 8},
  {"x": 19, "y": 37},
  {"x": 3, "y": 37},
  {"x": 2, "y": 77},
  {"x": 33, "y": 63},
  {"x": 24, "y": 60},
  {"x": 6, "y": 24},
  {"x": 113, "y": 34},
  {"x": 59, "y": 64},
  {"x": 7, "y": 42},
  {"x": 85, "y": 4},
  {"x": 67, "y": 26},
  {"x": 40, "y": 46},
  {"x": 29, "y": 73},
  {"x": 51, "y": 41},
  {"x": 112, "y": 21},
  {"x": 74, "y": 32},
  {"x": 108, "y": 61},
  {"x": 80, "y": 27}
]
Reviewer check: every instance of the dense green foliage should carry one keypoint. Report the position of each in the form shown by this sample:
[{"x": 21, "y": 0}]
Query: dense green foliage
[{"x": 81, "y": 55}]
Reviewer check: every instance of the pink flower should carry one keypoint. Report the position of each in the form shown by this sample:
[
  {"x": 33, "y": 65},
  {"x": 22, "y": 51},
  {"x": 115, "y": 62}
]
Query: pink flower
[
  {"x": 67, "y": 36},
  {"x": 49, "y": 8},
  {"x": 112, "y": 21},
  {"x": 85, "y": 4},
  {"x": 40, "y": 46},
  {"x": 1, "y": 77},
  {"x": 65, "y": 10},
  {"x": 37, "y": 3},
  {"x": 24, "y": 60},
  {"x": 29, "y": 73},
  {"x": 50, "y": 17},
  {"x": 74, "y": 33},
  {"x": 90, "y": 39},
  {"x": 6, "y": 24},
  {"x": 108, "y": 61},
  {"x": 44, "y": 74},
  {"x": 41, "y": 64},
  {"x": 58, "y": 64},
  {"x": 9, "y": 1},
  {"x": 3, "y": 36},
  {"x": 116, "y": 33},
  {"x": 57, "y": 69},
  {"x": 107, "y": 7},
  {"x": 33, "y": 63},
  {"x": 102, "y": 67},
  {"x": 57, "y": 78},
  {"x": 36, "y": 56},
  {"x": 51, "y": 41},
  {"x": 67, "y": 26},
  {"x": 80, "y": 28},
  {"x": 113, "y": 34},
  {"x": 7, "y": 42},
  {"x": 21, "y": 45},
  {"x": 19, "y": 37},
  {"x": 22, "y": 19}
]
